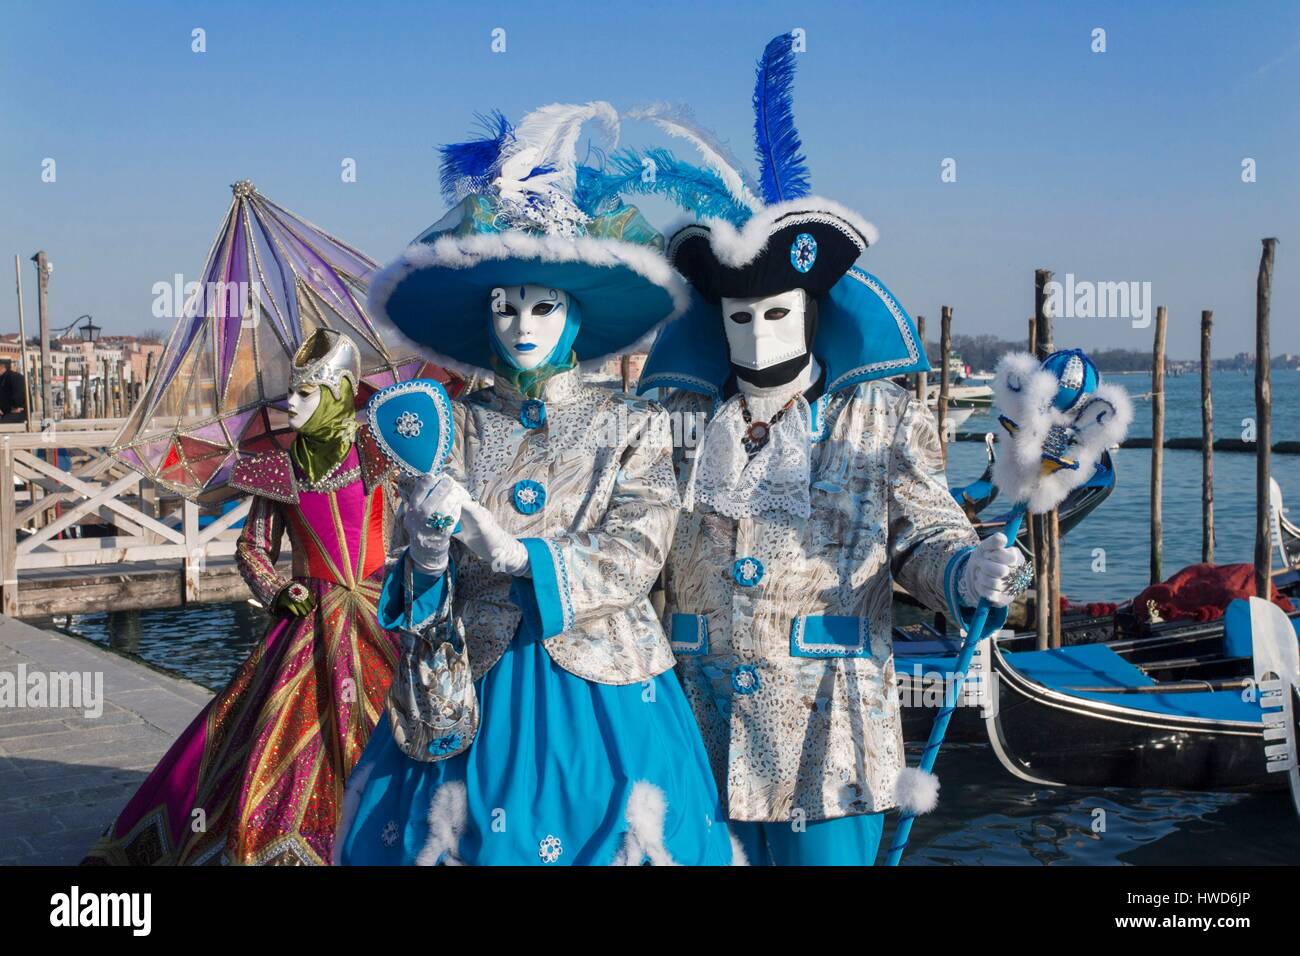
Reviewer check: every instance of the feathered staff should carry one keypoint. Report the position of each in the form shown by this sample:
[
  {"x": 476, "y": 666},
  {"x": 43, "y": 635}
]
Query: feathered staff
[{"x": 1059, "y": 418}]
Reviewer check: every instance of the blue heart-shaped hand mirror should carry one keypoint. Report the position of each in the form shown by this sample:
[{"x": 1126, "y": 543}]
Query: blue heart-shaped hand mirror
[{"x": 412, "y": 423}]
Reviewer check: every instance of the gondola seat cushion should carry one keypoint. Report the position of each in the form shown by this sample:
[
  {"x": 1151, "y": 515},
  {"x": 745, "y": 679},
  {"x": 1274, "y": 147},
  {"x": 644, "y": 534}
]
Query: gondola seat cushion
[{"x": 1096, "y": 665}]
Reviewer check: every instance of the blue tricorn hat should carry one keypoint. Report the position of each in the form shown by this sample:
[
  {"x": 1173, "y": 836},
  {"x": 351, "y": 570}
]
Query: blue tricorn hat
[
  {"x": 412, "y": 423},
  {"x": 520, "y": 218},
  {"x": 752, "y": 238}
]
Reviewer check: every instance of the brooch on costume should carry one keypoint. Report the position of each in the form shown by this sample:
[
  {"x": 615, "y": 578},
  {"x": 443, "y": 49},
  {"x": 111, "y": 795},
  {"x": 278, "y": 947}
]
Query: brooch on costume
[
  {"x": 550, "y": 848},
  {"x": 744, "y": 679},
  {"x": 803, "y": 252},
  {"x": 409, "y": 425},
  {"x": 532, "y": 413},
  {"x": 530, "y": 497},
  {"x": 747, "y": 572},
  {"x": 757, "y": 433}
]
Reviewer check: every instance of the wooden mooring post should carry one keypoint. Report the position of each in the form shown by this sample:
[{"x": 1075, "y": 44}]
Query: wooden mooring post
[
  {"x": 945, "y": 345},
  {"x": 1047, "y": 556},
  {"x": 1158, "y": 445},
  {"x": 22, "y": 347},
  {"x": 922, "y": 384},
  {"x": 1207, "y": 441},
  {"x": 1034, "y": 525},
  {"x": 1263, "y": 423},
  {"x": 43, "y": 271}
]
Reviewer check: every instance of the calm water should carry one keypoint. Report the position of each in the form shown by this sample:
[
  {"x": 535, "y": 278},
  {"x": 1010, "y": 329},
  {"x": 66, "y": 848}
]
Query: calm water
[{"x": 988, "y": 816}]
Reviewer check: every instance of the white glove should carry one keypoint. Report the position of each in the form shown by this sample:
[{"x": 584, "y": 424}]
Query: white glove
[
  {"x": 481, "y": 533},
  {"x": 438, "y": 498},
  {"x": 992, "y": 572}
]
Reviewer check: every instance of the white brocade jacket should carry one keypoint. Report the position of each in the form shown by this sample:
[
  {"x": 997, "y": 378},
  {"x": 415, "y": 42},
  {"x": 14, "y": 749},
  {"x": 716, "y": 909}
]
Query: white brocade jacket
[
  {"x": 584, "y": 477},
  {"x": 781, "y": 625}
]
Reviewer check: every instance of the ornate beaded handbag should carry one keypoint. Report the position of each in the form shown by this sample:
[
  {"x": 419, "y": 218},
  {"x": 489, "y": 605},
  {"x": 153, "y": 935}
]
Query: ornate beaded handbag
[{"x": 433, "y": 709}]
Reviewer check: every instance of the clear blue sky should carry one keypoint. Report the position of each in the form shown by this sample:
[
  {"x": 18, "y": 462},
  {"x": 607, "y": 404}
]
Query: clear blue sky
[{"x": 1124, "y": 165}]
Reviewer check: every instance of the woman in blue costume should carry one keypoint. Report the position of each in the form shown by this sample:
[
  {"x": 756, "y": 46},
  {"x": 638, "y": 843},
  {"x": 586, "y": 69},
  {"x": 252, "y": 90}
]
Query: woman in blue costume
[{"x": 535, "y": 717}]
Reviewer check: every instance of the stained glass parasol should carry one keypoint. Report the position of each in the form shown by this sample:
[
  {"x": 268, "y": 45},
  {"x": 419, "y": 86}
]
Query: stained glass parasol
[{"x": 270, "y": 280}]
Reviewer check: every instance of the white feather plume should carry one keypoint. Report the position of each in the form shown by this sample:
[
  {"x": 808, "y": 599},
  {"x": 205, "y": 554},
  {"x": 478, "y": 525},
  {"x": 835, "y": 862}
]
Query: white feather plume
[
  {"x": 548, "y": 136},
  {"x": 679, "y": 121}
]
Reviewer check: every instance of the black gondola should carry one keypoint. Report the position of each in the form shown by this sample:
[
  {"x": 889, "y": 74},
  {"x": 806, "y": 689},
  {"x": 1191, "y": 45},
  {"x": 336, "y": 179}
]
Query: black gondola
[{"x": 1178, "y": 709}]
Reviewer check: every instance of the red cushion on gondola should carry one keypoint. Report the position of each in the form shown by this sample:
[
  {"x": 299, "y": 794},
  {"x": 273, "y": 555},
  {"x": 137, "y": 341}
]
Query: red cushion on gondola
[{"x": 1202, "y": 592}]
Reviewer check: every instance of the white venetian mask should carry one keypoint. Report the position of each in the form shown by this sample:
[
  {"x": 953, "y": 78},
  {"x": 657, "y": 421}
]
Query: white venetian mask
[
  {"x": 303, "y": 402},
  {"x": 766, "y": 330},
  {"x": 528, "y": 321}
]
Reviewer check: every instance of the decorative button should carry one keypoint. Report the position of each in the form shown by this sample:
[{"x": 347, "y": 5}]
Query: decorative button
[
  {"x": 409, "y": 425},
  {"x": 803, "y": 252},
  {"x": 530, "y": 497},
  {"x": 747, "y": 571},
  {"x": 532, "y": 413},
  {"x": 745, "y": 679},
  {"x": 444, "y": 745},
  {"x": 550, "y": 849},
  {"x": 388, "y": 836}
]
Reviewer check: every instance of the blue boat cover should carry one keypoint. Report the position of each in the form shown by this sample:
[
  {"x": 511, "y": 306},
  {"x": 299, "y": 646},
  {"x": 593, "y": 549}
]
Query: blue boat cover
[{"x": 1096, "y": 665}]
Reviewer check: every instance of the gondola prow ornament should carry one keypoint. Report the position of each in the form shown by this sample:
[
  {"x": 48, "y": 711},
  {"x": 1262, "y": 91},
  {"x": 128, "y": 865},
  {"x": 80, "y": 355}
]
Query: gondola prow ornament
[{"x": 1059, "y": 418}]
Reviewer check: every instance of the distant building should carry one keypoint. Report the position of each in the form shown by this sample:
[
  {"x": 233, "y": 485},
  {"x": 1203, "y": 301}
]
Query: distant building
[{"x": 125, "y": 360}]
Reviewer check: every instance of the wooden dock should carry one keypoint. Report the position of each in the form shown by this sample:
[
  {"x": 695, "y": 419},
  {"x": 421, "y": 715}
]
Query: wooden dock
[
  {"x": 55, "y": 558},
  {"x": 66, "y": 773},
  {"x": 127, "y": 586}
]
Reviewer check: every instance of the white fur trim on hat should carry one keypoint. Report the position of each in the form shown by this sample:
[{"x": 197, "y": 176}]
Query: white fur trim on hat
[
  {"x": 465, "y": 252},
  {"x": 739, "y": 247}
]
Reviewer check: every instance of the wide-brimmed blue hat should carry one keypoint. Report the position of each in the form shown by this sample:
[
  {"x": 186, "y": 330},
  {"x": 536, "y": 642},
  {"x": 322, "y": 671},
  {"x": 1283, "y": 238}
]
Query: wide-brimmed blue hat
[{"x": 519, "y": 217}]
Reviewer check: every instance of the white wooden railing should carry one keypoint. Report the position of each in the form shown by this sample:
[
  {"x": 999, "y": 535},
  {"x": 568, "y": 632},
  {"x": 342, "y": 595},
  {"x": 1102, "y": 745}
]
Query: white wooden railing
[{"x": 39, "y": 500}]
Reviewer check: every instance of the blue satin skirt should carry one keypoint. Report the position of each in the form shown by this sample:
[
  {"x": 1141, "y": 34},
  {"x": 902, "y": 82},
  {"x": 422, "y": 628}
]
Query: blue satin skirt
[{"x": 548, "y": 779}]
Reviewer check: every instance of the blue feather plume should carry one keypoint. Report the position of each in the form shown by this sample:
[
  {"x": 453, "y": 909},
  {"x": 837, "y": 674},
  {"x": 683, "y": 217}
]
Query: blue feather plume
[
  {"x": 467, "y": 167},
  {"x": 658, "y": 172},
  {"x": 783, "y": 173}
]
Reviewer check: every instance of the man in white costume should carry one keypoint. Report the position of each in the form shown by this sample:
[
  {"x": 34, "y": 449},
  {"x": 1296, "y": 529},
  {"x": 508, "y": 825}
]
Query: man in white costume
[{"x": 816, "y": 487}]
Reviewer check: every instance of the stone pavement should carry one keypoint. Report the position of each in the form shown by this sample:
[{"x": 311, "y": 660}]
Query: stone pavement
[{"x": 65, "y": 775}]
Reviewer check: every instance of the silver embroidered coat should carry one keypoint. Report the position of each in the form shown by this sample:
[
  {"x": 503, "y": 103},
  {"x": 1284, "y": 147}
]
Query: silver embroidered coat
[
  {"x": 604, "y": 460},
  {"x": 782, "y": 627}
]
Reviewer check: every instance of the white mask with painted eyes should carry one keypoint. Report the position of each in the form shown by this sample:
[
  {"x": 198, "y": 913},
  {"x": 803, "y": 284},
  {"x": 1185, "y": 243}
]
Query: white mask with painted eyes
[
  {"x": 528, "y": 321},
  {"x": 766, "y": 330},
  {"x": 303, "y": 403}
]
